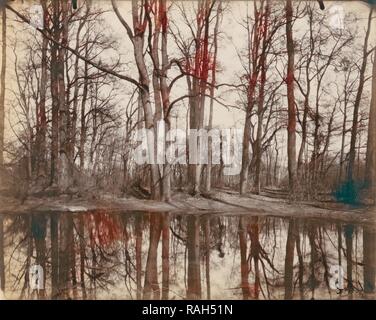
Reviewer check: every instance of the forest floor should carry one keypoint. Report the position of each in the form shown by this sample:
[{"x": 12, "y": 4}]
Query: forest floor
[{"x": 220, "y": 201}]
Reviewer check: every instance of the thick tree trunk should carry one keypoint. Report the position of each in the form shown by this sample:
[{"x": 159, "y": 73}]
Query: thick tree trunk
[
  {"x": 138, "y": 44},
  {"x": 369, "y": 259},
  {"x": 291, "y": 128},
  {"x": 64, "y": 256},
  {"x": 151, "y": 286},
  {"x": 243, "y": 260},
  {"x": 289, "y": 260},
  {"x": 193, "y": 244},
  {"x": 39, "y": 228},
  {"x": 253, "y": 231},
  {"x": 253, "y": 54}
]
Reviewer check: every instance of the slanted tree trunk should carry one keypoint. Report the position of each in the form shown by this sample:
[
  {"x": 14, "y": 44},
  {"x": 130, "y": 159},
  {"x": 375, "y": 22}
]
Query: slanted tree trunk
[
  {"x": 137, "y": 36},
  {"x": 261, "y": 98}
]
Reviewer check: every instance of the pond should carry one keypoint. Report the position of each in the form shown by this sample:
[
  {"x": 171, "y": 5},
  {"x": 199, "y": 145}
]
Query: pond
[{"x": 141, "y": 255}]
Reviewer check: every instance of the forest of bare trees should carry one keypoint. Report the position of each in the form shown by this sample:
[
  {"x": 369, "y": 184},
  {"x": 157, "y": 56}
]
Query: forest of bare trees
[
  {"x": 87, "y": 92},
  {"x": 73, "y": 112}
]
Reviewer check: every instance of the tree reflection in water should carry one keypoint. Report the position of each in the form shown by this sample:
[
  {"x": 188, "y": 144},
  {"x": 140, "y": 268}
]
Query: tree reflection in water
[{"x": 100, "y": 255}]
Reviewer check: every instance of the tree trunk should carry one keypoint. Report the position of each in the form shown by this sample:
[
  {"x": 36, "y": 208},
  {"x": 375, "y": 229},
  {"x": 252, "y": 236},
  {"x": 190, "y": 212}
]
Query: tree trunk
[
  {"x": 355, "y": 124},
  {"x": 54, "y": 225},
  {"x": 291, "y": 128},
  {"x": 138, "y": 231},
  {"x": 207, "y": 256},
  {"x": 165, "y": 93},
  {"x": 370, "y": 174},
  {"x": 151, "y": 286},
  {"x": 261, "y": 98},
  {"x": 55, "y": 95},
  {"x": 41, "y": 171},
  {"x": 193, "y": 244},
  {"x": 289, "y": 260},
  {"x": 369, "y": 259},
  {"x": 83, "y": 129},
  {"x": 81, "y": 235},
  {"x": 243, "y": 260},
  {"x": 2, "y": 85},
  {"x": 64, "y": 179},
  {"x": 253, "y": 74},
  {"x": 208, "y": 176},
  {"x": 2, "y": 265},
  {"x": 165, "y": 256},
  {"x": 39, "y": 230},
  {"x": 349, "y": 234},
  {"x": 64, "y": 256}
]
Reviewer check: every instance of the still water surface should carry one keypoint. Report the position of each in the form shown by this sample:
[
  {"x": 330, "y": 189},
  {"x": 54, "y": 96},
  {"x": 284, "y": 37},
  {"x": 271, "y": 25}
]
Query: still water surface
[{"x": 102, "y": 255}]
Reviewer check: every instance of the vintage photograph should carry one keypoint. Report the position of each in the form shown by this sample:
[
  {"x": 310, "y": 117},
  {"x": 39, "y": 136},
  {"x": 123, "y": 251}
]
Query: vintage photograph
[{"x": 187, "y": 150}]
